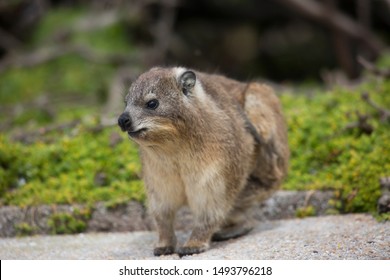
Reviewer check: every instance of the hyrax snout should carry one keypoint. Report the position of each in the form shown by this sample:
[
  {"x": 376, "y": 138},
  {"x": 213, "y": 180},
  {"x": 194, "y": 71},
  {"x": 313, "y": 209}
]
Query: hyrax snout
[{"x": 209, "y": 142}]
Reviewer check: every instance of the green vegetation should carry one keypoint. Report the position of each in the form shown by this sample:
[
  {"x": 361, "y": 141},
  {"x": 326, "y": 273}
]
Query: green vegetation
[
  {"x": 82, "y": 164},
  {"x": 307, "y": 211},
  {"x": 68, "y": 80},
  {"x": 382, "y": 217},
  {"x": 325, "y": 154},
  {"x": 76, "y": 164},
  {"x": 24, "y": 229},
  {"x": 65, "y": 223},
  {"x": 68, "y": 170}
]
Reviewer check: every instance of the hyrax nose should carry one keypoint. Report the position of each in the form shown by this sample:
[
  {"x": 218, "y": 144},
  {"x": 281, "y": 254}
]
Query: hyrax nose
[{"x": 124, "y": 122}]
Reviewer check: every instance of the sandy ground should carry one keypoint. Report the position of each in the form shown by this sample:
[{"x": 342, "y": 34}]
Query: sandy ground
[{"x": 329, "y": 237}]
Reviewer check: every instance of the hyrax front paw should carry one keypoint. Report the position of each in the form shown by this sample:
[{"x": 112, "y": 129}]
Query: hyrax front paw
[{"x": 159, "y": 251}]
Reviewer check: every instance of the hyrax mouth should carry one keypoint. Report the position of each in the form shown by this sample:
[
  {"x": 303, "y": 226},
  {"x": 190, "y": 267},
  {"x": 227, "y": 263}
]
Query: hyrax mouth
[{"x": 136, "y": 133}]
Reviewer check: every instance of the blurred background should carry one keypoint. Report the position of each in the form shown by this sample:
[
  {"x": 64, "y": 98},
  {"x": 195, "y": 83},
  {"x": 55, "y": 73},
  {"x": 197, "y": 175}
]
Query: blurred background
[
  {"x": 281, "y": 39},
  {"x": 100, "y": 42},
  {"x": 65, "y": 66}
]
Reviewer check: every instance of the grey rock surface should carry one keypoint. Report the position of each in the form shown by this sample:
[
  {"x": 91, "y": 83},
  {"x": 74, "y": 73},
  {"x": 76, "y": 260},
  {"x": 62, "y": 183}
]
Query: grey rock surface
[
  {"x": 133, "y": 216},
  {"x": 357, "y": 236}
]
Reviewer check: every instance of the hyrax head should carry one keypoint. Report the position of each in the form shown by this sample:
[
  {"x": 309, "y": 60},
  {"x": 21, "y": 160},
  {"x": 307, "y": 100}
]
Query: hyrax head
[{"x": 155, "y": 104}]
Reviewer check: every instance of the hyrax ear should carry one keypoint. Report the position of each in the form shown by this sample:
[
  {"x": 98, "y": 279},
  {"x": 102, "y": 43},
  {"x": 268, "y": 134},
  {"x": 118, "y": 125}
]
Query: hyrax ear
[{"x": 187, "y": 81}]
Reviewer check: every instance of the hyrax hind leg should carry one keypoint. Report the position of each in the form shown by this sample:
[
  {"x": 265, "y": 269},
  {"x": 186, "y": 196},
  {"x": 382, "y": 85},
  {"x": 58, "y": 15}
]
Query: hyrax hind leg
[
  {"x": 263, "y": 110},
  {"x": 199, "y": 240},
  {"x": 240, "y": 219}
]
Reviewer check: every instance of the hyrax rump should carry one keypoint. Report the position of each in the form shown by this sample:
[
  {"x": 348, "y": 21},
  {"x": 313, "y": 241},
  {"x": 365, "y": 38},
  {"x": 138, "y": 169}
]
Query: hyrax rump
[{"x": 209, "y": 142}]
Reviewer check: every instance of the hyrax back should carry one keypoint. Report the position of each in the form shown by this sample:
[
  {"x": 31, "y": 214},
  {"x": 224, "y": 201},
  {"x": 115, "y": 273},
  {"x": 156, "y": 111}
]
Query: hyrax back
[{"x": 209, "y": 142}]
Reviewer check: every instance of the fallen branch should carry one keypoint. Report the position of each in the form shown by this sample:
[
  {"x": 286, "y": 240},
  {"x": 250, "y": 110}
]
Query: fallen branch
[
  {"x": 8, "y": 41},
  {"x": 90, "y": 23},
  {"x": 385, "y": 73},
  {"x": 162, "y": 32},
  {"x": 338, "y": 21},
  {"x": 44, "y": 55},
  {"x": 384, "y": 113},
  {"x": 31, "y": 137},
  {"x": 361, "y": 124},
  {"x": 388, "y": 3}
]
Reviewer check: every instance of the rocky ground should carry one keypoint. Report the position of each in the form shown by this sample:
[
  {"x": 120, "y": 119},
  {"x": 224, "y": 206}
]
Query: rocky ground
[
  {"x": 126, "y": 232},
  {"x": 357, "y": 236}
]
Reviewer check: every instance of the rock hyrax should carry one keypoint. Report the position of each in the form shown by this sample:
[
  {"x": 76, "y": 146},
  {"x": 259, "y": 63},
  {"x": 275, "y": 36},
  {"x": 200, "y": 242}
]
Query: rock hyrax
[{"x": 209, "y": 142}]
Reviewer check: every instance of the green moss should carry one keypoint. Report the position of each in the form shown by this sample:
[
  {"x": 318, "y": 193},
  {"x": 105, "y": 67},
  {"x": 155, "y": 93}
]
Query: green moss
[
  {"x": 307, "y": 211},
  {"x": 115, "y": 204},
  {"x": 69, "y": 223},
  {"x": 63, "y": 172},
  {"x": 66, "y": 224},
  {"x": 384, "y": 217},
  {"x": 24, "y": 229}
]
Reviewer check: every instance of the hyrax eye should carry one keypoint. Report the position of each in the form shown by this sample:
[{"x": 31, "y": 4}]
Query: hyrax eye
[{"x": 152, "y": 104}]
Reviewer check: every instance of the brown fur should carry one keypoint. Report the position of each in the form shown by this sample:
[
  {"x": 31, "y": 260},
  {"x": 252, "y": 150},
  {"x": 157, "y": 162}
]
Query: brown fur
[{"x": 219, "y": 148}]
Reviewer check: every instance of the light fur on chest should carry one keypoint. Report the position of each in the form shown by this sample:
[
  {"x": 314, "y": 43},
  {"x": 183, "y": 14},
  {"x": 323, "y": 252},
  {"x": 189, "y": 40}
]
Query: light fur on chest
[{"x": 173, "y": 182}]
